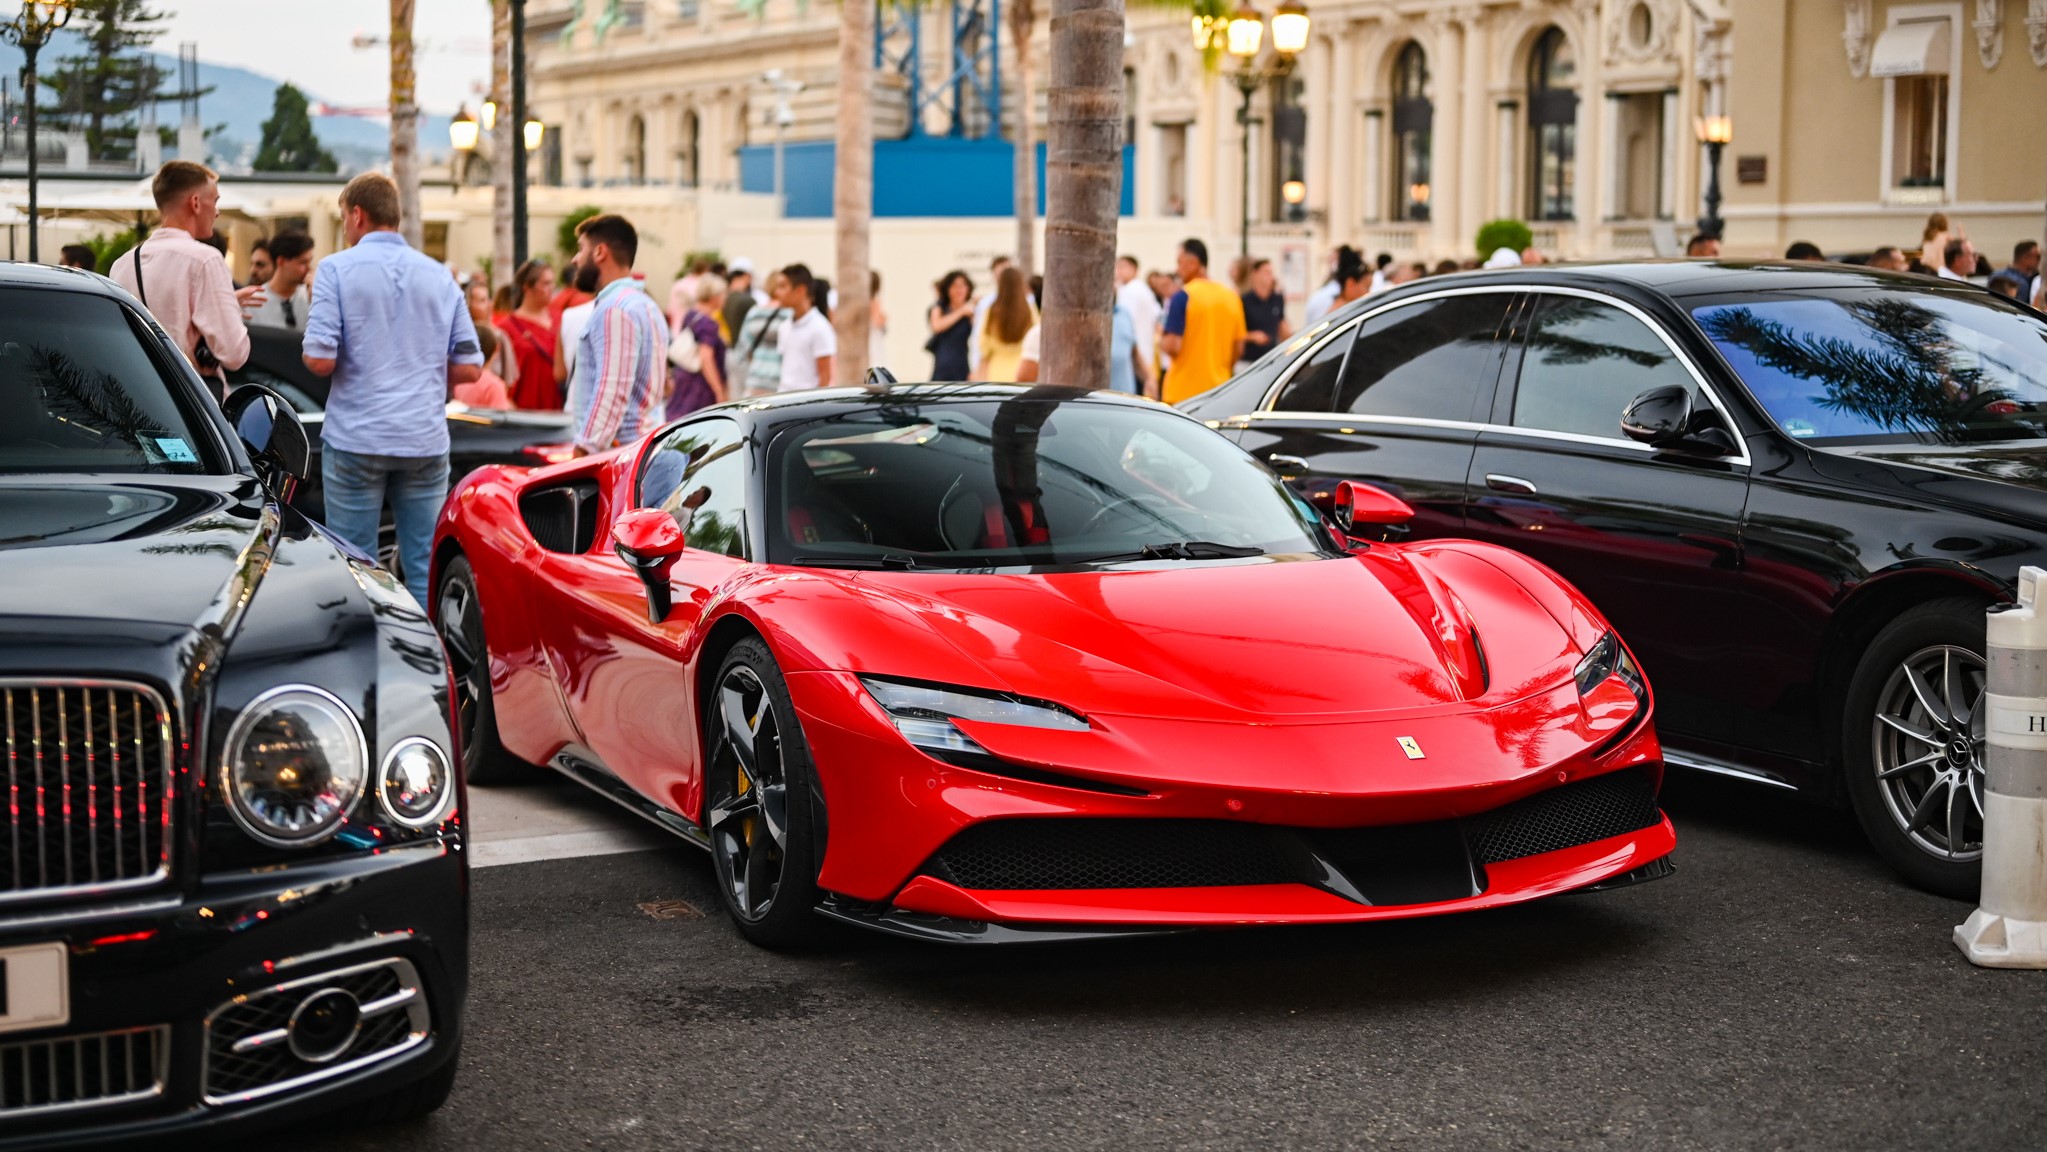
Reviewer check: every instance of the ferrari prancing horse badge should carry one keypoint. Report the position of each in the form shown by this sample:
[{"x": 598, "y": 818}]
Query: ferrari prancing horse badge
[{"x": 1412, "y": 747}]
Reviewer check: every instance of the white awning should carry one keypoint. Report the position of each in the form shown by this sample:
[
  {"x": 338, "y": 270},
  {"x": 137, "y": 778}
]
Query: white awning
[{"x": 1920, "y": 48}]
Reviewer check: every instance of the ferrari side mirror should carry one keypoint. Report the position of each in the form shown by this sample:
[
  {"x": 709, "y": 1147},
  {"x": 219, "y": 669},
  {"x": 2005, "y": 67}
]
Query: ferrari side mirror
[
  {"x": 649, "y": 540},
  {"x": 1360, "y": 505}
]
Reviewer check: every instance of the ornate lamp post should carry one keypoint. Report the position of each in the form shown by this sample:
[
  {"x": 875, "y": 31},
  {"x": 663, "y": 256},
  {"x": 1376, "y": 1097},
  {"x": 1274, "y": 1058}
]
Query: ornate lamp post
[
  {"x": 1715, "y": 132},
  {"x": 463, "y": 134},
  {"x": 38, "y": 21},
  {"x": 1243, "y": 36}
]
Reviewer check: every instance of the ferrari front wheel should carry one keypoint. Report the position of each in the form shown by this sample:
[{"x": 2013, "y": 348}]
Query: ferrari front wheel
[
  {"x": 758, "y": 801},
  {"x": 459, "y": 615}
]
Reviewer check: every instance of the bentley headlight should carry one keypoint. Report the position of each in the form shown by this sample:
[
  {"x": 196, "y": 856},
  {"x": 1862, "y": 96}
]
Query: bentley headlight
[
  {"x": 416, "y": 783},
  {"x": 1609, "y": 660},
  {"x": 924, "y": 714},
  {"x": 295, "y": 766}
]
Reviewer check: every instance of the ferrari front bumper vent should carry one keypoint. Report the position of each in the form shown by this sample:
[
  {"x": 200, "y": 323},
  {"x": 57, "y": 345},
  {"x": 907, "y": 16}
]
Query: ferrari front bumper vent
[{"x": 1394, "y": 864}]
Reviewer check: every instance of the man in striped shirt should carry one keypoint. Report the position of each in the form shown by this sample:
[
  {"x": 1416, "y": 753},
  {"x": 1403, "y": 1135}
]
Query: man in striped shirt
[{"x": 622, "y": 355}]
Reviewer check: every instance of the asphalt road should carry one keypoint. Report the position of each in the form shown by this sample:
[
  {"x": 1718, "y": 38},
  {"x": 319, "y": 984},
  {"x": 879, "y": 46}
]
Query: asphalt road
[{"x": 1781, "y": 991}]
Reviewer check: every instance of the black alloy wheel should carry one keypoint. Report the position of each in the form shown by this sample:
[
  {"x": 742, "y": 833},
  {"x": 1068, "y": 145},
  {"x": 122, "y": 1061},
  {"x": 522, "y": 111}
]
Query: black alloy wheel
[
  {"x": 458, "y": 615},
  {"x": 758, "y": 799},
  {"x": 1913, "y": 734}
]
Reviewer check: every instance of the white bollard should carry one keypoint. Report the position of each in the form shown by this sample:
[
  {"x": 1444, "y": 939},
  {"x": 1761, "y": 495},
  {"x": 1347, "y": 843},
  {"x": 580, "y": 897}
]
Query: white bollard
[{"x": 2009, "y": 930}]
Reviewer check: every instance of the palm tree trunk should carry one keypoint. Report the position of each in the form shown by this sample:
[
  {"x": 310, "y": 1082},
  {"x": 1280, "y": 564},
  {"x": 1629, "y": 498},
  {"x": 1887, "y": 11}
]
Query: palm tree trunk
[
  {"x": 1084, "y": 190},
  {"x": 504, "y": 142},
  {"x": 1023, "y": 19},
  {"x": 853, "y": 187},
  {"x": 404, "y": 123}
]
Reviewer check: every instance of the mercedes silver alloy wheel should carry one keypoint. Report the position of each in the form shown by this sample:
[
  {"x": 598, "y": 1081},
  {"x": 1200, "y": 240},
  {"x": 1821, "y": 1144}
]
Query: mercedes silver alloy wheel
[
  {"x": 749, "y": 814},
  {"x": 1929, "y": 750}
]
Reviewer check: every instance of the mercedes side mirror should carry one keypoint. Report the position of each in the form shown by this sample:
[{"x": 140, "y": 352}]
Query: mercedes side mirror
[
  {"x": 271, "y": 434},
  {"x": 1361, "y": 507},
  {"x": 1663, "y": 417},
  {"x": 649, "y": 540}
]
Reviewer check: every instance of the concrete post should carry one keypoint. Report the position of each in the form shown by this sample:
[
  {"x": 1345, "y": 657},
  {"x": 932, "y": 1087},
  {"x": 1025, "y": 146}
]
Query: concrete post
[{"x": 2010, "y": 929}]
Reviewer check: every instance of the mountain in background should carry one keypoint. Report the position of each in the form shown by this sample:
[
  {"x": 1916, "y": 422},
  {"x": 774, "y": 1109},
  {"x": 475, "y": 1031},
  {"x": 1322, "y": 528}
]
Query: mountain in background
[{"x": 241, "y": 100}]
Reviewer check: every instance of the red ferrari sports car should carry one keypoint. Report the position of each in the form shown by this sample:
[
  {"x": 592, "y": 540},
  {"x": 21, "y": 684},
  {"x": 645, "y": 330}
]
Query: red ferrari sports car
[{"x": 987, "y": 663}]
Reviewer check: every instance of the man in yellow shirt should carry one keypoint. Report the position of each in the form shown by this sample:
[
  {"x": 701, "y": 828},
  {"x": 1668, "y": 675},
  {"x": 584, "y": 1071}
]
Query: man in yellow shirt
[{"x": 1204, "y": 328}]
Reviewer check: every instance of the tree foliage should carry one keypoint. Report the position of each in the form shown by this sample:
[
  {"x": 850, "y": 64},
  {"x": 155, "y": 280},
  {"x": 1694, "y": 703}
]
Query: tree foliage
[
  {"x": 107, "y": 249},
  {"x": 100, "y": 90},
  {"x": 289, "y": 143},
  {"x": 565, "y": 234},
  {"x": 1494, "y": 235}
]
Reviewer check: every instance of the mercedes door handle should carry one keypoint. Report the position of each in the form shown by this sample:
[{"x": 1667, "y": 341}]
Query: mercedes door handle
[
  {"x": 1500, "y": 483},
  {"x": 1293, "y": 464}
]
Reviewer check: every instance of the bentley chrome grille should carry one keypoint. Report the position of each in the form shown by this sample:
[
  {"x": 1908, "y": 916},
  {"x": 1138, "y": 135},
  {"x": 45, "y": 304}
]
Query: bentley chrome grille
[
  {"x": 68, "y": 1072},
  {"x": 87, "y": 787}
]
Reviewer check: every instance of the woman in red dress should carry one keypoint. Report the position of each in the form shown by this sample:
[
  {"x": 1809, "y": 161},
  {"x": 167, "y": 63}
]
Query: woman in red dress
[{"x": 532, "y": 333}]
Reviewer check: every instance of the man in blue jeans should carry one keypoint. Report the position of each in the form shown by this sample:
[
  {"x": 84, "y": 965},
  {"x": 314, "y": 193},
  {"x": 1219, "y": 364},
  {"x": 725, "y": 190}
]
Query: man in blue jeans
[{"x": 391, "y": 328}]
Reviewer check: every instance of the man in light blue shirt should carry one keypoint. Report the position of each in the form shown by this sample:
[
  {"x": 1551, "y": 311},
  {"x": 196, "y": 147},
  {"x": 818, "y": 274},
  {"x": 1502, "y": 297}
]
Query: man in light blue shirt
[{"x": 391, "y": 328}]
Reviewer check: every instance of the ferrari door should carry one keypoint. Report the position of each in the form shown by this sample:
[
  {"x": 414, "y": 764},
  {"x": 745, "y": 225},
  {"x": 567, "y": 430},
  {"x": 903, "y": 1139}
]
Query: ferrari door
[
  {"x": 1652, "y": 537},
  {"x": 1393, "y": 400},
  {"x": 625, "y": 677}
]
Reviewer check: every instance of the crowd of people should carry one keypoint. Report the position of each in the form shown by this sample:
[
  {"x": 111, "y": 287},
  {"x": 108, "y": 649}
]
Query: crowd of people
[{"x": 399, "y": 335}]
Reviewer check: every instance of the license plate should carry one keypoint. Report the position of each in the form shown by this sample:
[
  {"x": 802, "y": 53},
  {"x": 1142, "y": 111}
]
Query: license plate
[{"x": 35, "y": 987}]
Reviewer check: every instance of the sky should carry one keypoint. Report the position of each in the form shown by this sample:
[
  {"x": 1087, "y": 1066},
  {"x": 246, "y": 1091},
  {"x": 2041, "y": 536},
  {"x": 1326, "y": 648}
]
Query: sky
[{"x": 309, "y": 43}]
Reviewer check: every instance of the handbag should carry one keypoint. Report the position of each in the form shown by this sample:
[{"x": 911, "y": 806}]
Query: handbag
[{"x": 683, "y": 350}]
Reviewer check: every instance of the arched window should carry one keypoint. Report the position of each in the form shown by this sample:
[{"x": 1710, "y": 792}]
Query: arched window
[
  {"x": 686, "y": 163},
  {"x": 636, "y": 150},
  {"x": 1413, "y": 114},
  {"x": 1552, "y": 126}
]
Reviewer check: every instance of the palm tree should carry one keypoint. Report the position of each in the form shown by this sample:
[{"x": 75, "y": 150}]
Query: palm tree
[
  {"x": 853, "y": 187},
  {"x": 1084, "y": 191},
  {"x": 504, "y": 141},
  {"x": 405, "y": 122},
  {"x": 1023, "y": 20}
]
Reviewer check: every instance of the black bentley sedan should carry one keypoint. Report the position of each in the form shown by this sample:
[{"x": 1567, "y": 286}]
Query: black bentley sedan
[
  {"x": 476, "y": 436},
  {"x": 1794, "y": 488},
  {"x": 232, "y": 881}
]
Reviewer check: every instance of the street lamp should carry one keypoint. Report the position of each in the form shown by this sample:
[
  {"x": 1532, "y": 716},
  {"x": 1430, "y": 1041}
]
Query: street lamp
[
  {"x": 535, "y": 132},
  {"x": 38, "y": 21},
  {"x": 530, "y": 138},
  {"x": 1295, "y": 193},
  {"x": 1715, "y": 132},
  {"x": 462, "y": 133},
  {"x": 1243, "y": 36}
]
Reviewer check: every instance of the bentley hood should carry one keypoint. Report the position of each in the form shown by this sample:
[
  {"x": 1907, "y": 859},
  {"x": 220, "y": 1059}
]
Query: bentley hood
[{"x": 1396, "y": 631}]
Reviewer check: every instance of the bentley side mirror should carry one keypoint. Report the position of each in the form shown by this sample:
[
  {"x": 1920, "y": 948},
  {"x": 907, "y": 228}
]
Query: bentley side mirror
[
  {"x": 271, "y": 434},
  {"x": 1363, "y": 506},
  {"x": 649, "y": 540}
]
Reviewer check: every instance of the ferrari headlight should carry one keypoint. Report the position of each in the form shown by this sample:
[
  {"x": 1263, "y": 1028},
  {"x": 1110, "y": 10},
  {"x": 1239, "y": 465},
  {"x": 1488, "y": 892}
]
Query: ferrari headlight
[
  {"x": 1609, "y": 660},
  {"x": 416, "y": 783},
  {"x": 295, "y": 765},
  {"x": 924, "y": 714}
]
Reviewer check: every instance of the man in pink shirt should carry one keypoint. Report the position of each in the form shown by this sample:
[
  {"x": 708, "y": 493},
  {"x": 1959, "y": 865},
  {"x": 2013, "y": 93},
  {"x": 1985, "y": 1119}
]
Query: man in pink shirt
[{"x": 184, "y": 283}]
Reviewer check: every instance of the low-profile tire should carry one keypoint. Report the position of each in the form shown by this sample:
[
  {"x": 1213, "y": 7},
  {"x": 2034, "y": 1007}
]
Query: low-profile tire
[
  {"x": 458, "y": 613},
  {"x": 1912, "y": 744},
  {"x": 410, "y": 1101},
  {"x": 760, "y": 788}
]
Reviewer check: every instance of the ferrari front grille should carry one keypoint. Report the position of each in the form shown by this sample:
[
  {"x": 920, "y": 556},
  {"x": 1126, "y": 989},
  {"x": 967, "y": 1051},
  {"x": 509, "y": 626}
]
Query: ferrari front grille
[
  {"x": 1579, "y": 813},
  {"x": 87, "y": 785},
  {"x": 1384, "y": 865}
]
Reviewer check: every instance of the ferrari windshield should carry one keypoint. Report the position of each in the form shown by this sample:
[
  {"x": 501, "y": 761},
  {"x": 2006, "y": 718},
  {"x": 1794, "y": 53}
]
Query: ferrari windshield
[
  {"x": 79, "y": 391},
  {"x": 957, "y": 483},
  {"x": 1888, "y": 364}
]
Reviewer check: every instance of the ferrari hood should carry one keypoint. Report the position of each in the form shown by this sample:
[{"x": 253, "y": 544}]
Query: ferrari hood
[{"x": 1379, "y": 634}]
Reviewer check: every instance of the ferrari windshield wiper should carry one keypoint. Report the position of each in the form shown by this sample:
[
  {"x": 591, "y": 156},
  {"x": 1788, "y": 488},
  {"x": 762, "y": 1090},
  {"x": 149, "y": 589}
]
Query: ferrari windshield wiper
[
  {"x": 891, "y": 562},
  {"x": 1182, "y": 550}
]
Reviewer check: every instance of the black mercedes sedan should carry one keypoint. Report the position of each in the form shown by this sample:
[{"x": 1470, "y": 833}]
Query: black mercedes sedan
[
  {"x": 476, "y": 436},
  {"x": 233, "y": 890},
  {"x": 1795, "y": 488}
]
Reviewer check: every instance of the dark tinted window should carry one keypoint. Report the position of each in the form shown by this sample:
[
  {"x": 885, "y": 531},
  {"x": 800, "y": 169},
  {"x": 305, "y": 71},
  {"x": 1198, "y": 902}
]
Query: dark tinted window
[
  {"x": 79, "y": 391},
  {"x": 1889, "y": 364},
  {"x": 1429, "y": 360},
  {"x": 1585, "y": 361},
  {"x": 1313, "y": 388},
  {"x": 1001, "y": 483},
  {"x": 697, "y": 473}
]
